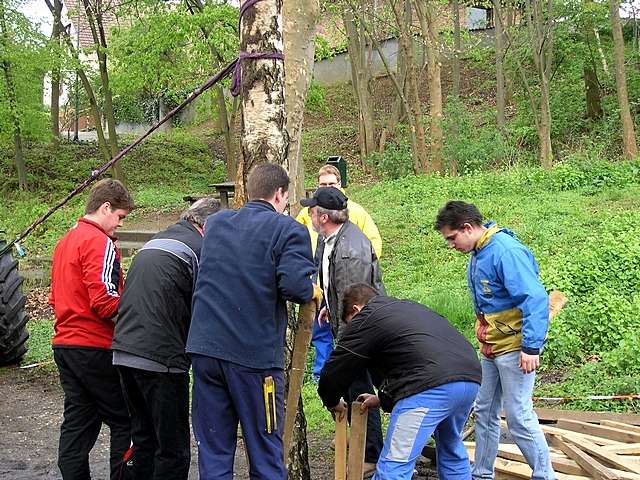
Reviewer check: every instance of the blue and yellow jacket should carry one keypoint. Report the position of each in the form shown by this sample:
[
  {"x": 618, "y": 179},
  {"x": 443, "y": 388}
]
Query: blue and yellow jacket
[{"x": 511, "y": 304}]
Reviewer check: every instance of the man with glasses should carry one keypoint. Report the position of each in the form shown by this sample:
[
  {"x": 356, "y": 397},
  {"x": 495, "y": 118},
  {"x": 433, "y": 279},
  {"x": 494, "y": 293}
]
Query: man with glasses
[{"x": 512, "y": 317}]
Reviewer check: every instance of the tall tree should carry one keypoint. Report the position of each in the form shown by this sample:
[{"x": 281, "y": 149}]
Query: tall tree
[
  {"x": 55, "y": 69},
  {"x": 300, "y": 18},
  {"x": 95, "y": 13},
  {"x": 8, "y": 72},
  {"x": 500, "y": 78},
  {"x": 629, "y": 144},
  {"x": 457, "y": 46}
]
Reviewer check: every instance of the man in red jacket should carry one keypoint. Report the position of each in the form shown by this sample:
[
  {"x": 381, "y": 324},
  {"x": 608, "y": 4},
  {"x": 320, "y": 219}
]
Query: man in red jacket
[{"x": 86, "y": 282}]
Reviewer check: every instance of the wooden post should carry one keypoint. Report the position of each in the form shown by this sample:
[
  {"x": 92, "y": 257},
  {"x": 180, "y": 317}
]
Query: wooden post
[
  {"x": 341, "y": 448},
  {"x": 357, "y": 441},
  {"x": 298, "y": 362}
]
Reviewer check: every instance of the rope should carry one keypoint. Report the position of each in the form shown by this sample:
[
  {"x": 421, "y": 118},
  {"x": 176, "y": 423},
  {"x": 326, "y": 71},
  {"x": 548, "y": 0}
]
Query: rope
[
  {"x": 96, "y": 173},
  {"x": 632, "y": 396}
]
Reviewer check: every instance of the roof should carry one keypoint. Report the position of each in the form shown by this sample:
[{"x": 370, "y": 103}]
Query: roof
[{"x": 80, "y": 25}]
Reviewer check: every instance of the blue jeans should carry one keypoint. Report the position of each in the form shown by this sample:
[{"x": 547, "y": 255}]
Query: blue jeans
[
  {"x": 505, "y": 385},
  {"x": 441, "y": 411},
  {"x": 322, "y": 340}
]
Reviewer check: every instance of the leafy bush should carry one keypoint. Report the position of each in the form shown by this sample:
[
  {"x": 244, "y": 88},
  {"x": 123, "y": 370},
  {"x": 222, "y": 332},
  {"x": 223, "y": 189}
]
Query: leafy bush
[
  {"x": 395, "y": 162},
  {"x": 316, "y": 101}
]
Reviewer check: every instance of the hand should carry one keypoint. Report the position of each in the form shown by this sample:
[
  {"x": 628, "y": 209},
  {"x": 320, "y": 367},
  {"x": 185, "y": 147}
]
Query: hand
[
  {"x": 528, "y": 363},
  {"x": 317, "y": 295},
  {"x": 323, "y": 316},
  {"x": 339, "y": 411},
  {"x": 368, "y": 401}
]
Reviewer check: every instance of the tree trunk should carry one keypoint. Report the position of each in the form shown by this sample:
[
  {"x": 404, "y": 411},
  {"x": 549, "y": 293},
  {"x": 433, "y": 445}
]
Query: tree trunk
[
  {"x": 628, "y": 131},
  {"x": 360, "y": 79},
  {"x": 455, "y": 5},
  {"x": 94, "y": 19},
  {"x": 264, "y": 137},
  {"x": 592, "y": 88},
  {"x": 500, "y": 79},
  {"x": 7, "y": 68},
  {"x": 55, "y": 72},
  {"x": 431, "y": 38},
  {"x": 300, "y": 18},
  {"x": 227, "y": 133}
]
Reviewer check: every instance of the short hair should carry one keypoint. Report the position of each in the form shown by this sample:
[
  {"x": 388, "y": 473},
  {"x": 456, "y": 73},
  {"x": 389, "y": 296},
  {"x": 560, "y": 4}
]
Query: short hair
[
  {"x": 265, "y": 179},
  {"x": 357, "y": 294},
  {"x": 199, "y": 210},
  {"x": 336, "y": 216},
  {"x": 109, "y": 190},
  {"x": 456, "y": 213},
  {"x": 329, "y": 170}
]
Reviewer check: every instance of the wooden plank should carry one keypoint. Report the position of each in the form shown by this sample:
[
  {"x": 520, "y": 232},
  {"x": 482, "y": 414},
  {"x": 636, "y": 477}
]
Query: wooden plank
[
  {"x": 341, "y": 448},
  {"x": 357, "y": 441},
  {"x": 617, "y": 461},
  {"x": 547, "y": 429},
  {"x": 553, "y": 415},
  {"x": 611, "y": 433},
  {"x": 590, "y": 465},
  {"x": 623, "y": 448},
  {"x": 520, "y": 470},
  {"x": 620, "y": 425}
]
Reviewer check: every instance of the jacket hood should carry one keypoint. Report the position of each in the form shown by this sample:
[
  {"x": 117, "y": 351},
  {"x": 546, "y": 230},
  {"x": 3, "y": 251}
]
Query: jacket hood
[{"x": 491, "y": 229}]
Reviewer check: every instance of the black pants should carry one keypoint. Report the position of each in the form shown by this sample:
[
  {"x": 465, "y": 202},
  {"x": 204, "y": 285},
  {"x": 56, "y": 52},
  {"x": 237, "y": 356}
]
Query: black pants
[
  {"x": 92, "y": 396},
  {"x": 159, "y": 407},
  {"x": 363, "y": 384}
]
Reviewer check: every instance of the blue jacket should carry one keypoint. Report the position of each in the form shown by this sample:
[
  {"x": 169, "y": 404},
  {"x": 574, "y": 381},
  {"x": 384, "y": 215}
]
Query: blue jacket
[
  {"x": 512, "y": 306},
  {"x": 253, "y": 260}
]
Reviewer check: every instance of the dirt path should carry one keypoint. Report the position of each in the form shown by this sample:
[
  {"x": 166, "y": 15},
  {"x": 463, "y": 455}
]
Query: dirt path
[{"x": 30, "y": 416}]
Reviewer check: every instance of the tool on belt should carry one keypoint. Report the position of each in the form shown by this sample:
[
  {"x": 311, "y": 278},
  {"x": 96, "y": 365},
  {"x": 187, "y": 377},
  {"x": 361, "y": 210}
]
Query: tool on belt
[{"x": 269, "y": 391}]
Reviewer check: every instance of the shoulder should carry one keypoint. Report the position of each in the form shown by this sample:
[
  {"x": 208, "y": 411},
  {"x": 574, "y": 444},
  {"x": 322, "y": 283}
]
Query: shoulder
[
  {"x": 304, "y": 216},
  {"x": 356, "y": 208}
]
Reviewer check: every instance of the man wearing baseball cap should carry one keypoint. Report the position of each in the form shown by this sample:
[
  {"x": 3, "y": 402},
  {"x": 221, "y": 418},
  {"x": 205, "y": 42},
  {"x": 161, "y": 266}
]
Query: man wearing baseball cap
[{"x": 345, "y": 256}]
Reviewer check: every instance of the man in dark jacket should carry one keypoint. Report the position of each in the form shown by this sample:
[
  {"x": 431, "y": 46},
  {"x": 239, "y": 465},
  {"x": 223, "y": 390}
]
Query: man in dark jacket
[
  {"x": 346, "y": 256},
  {"x": 149, "y": 341},
  {"x": 253, "y": 260},
  {"x": 429, "y": 377}
]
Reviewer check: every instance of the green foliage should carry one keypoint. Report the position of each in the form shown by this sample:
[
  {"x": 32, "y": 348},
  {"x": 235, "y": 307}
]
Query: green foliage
[
  {"x": 395, "y": 162},
  {"x": 27, "y": 58},
  {"x": 326, "y": 51},
  {"x": 316, "y": 101},
  {"x": 471, "y": 139},
  {"x": 40, "y": 333}
]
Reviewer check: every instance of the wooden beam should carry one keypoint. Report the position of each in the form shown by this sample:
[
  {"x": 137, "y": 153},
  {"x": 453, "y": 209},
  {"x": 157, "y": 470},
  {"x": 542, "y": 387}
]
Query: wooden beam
[
  {"x": 611, "y": 433},
  {"x": 519, "y": 470},
  {"x": 547, "y": 429},
  {"x": 623, "y": 448},
  {"x": 553, "y": 415},
  {"x": 590, "y": 465},
  {"x": 617, "y": 461},
  {"x": 341, "y": 448},
  {"x": 622, "y": 426},
  {"x": 357, "y": 441}
]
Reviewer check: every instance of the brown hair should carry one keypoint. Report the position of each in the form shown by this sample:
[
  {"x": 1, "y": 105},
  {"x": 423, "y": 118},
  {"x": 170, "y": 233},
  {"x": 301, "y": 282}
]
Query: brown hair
[
  {"x": 265, "y": 179},
  {"x": 329, "y": 170},
  {"x": 109, "y": 190},
  {"x": 356, "y": 294}
]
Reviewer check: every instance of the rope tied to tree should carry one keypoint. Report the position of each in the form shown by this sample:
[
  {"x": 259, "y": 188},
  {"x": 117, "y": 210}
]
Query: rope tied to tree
[{"x": 236, "y": 80}]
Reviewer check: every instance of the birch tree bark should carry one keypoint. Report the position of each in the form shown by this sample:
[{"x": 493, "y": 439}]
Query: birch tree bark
[
  {"x": 300, "y": 18},
  {"x": 629, "y": 144},
  {"x": 264, "y": 137}
]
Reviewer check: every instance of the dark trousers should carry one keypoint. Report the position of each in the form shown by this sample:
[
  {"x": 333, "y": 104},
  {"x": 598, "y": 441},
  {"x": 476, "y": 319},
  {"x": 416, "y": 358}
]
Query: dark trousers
[
  {"x": 159, "y": 408},
  {"x": 92, "y": 396},
  {"x": 363, "y": 384},
  {"x": 225, "y": 393}
]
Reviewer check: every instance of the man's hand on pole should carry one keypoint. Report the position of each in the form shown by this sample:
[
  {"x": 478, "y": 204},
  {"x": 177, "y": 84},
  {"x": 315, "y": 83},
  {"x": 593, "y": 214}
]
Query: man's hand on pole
[
  {"x": 339, "y": 411},
  {"x": 368, "y": 401},
  {"x": 323, "y": 316},
  {"x": 317, "y": 296},
  {"x": 528, "y": 363}
]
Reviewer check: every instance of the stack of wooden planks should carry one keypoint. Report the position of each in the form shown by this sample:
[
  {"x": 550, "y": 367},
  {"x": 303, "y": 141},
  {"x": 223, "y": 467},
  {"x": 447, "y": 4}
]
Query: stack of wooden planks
[{"x": 584, "y": 445}]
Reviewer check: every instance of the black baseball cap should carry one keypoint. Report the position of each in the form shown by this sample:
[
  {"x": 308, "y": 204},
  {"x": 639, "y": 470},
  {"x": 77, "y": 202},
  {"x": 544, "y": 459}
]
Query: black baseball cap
[{"x": 326, "y": 197}]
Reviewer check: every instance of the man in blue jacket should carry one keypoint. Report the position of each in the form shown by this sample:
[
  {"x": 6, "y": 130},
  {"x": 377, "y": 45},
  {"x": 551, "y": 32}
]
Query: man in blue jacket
[
  {"x": 512, "y": 317},
  {"x": 253, "y": 260}
]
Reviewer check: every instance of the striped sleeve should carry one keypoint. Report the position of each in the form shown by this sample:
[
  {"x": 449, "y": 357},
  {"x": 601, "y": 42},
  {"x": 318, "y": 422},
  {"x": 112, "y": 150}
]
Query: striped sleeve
[{"x": 101, "y": 276}]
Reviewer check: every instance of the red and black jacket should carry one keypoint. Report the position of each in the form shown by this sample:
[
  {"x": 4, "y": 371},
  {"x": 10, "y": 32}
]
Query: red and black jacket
[{"x": 86, "y": 283}]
